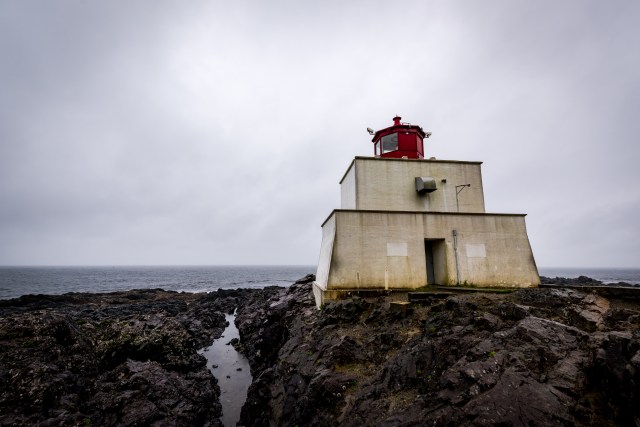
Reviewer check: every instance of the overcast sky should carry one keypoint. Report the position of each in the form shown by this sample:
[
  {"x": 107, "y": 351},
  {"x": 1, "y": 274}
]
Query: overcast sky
[{"x": 211, "y": 132}]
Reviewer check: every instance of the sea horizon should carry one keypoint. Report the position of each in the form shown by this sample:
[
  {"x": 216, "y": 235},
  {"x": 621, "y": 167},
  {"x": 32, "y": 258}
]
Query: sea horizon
[
  {"x": 16, "y": 281},
  {"x": 149, "y": 265},
  {"x": 19, "y": 280},
  {"x": 262, "y": 265}
]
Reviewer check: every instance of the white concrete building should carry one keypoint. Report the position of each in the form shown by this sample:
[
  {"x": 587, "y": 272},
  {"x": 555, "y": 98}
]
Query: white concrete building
[{"x": 406, "y": 222}]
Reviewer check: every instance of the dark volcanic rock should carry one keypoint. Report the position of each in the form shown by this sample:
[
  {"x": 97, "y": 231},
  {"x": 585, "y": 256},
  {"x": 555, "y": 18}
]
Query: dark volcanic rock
[
  {"x": 548, "y": 356},
  {"x": 534, "y": 357},
  {"x": 576, "y": 281},
  {"x": 124, "y": 358},
  {"x": 581, "y": 281}
]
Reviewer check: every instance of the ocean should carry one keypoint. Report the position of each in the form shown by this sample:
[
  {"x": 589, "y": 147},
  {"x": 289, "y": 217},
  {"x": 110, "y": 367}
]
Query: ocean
[{"x": 17, "y": 281}]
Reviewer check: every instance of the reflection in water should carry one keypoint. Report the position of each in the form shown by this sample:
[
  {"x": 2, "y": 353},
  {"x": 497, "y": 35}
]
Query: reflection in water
[{"x": 232, "y": 372}]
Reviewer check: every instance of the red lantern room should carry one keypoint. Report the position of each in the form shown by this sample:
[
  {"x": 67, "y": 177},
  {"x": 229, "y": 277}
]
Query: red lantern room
[{"x": 402, "y": 140}]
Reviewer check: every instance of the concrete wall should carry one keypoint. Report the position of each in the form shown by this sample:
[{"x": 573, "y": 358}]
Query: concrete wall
[
  {"x": 348, "y": 189},
  {"x": 389, "y": 184},
  {"x": 386, "y": 250},
  {"x": 326, "y": 251}
]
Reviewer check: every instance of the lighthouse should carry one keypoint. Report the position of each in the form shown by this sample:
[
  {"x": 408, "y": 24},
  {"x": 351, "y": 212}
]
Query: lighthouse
[{"x": 406, "y": 222}]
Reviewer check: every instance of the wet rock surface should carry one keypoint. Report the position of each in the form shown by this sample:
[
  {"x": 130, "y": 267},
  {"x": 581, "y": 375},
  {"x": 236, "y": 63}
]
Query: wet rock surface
[
  {"x": 532, "y": 357},
  {"x": 125, "y": 358},
  {"x": 547, "y": 356}
]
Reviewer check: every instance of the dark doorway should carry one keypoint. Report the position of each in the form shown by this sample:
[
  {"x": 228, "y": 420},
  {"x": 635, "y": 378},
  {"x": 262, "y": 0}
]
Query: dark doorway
[
  {"x": 428, "y": 251},
  {"x": 434, "y": 251}
]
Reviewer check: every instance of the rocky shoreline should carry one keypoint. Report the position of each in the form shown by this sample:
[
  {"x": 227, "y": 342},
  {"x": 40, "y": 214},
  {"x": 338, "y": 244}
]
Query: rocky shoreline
[
  {"x": 547, "y": 356},
  {"x": 123, "y": 358},
  {"x": 583, "y": 281}
]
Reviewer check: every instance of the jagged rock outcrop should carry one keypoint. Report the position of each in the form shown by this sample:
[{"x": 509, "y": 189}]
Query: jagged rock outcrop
[
  {"x": 548, "y": 356},
  {"x": 126, "y": 358},
  {"x": 533, "y": 357}
]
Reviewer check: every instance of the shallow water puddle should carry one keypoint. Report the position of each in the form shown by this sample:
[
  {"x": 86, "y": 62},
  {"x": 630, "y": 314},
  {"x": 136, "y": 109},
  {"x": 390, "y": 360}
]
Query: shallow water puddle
[{"x": 232, "y": 371}]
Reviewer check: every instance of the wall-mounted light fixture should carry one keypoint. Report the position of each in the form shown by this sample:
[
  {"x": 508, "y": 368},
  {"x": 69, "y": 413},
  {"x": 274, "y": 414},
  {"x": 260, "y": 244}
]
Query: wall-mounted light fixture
[{"x": 459, "y": 188}]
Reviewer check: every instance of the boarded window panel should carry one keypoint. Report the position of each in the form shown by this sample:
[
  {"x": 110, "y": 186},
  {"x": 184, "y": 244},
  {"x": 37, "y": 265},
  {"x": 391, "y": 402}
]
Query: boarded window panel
[
  {"x": 476, "y": 250},
  {"x": 397, "y": 249}
]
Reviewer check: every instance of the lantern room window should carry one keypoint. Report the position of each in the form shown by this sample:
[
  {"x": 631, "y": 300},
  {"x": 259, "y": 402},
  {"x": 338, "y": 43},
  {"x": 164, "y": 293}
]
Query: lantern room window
[{"x": 389, "y": 143}]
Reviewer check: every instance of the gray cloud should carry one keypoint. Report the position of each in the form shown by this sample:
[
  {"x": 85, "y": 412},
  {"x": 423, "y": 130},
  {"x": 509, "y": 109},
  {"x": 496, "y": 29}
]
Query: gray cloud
[{"x": 216, "y": 133}]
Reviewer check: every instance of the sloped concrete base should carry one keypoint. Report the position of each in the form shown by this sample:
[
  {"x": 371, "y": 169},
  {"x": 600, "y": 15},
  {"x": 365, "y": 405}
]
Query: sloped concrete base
[{"x": 321, "y": 295}]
